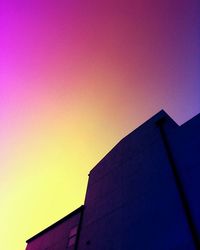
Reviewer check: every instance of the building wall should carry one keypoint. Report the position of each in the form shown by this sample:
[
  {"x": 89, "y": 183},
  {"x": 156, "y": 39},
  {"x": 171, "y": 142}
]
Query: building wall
[
  {"x": 186, "y": 152},
  {"x": 132, "y": 201},
  {"x": 59, "y": 236}
]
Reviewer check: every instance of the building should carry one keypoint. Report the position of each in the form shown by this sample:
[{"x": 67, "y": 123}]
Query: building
[
  {"x": 144, "y": 194},
  {"x": 60, "y": 235}
]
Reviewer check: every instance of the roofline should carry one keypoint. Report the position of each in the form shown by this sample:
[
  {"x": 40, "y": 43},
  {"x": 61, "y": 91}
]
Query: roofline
[
  {"x": 194, "y": 118},
  {"x": 77, "y": 211},
  {"x": 156, "y": 117}
]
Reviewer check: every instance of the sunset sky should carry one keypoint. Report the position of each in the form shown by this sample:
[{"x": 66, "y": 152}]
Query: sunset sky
[{"x": 75, "y": 77}]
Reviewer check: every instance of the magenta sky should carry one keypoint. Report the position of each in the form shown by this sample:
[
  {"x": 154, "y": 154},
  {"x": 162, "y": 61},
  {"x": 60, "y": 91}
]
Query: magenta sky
[{"x": 75, "y": 77}]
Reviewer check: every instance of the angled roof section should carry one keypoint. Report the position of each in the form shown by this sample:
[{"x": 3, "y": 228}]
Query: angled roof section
[
  {"x": 122, "y": 146},
  {"x": 194, "y": 121},
  {"x": 70, "y": 215}
]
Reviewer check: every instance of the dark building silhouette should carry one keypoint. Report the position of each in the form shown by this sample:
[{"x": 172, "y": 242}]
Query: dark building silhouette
[
  {"x": 60, "y": 235},
  {"x": 144, "y": 194}
]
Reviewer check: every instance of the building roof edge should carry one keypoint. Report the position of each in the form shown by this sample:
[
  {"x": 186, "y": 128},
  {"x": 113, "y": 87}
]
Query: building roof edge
[{"x": 76, "y": 211}]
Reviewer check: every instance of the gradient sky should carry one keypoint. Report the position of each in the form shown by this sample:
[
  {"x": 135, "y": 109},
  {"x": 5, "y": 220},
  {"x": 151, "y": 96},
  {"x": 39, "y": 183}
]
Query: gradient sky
[{"x": 76, "y": 77}]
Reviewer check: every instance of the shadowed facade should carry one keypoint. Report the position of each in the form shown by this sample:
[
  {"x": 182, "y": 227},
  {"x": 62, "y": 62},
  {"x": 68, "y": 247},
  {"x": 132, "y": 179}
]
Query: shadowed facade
[
  {"x": 61, "y": 235},
  {"x": 142, "y": 195}
]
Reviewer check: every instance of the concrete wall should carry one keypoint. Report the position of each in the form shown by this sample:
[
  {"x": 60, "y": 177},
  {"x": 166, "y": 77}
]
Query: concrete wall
[
  {"x": 132, "y": 201},
  {"x": 57, "y": 236},
  {"x": 185, "y": 144}
]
